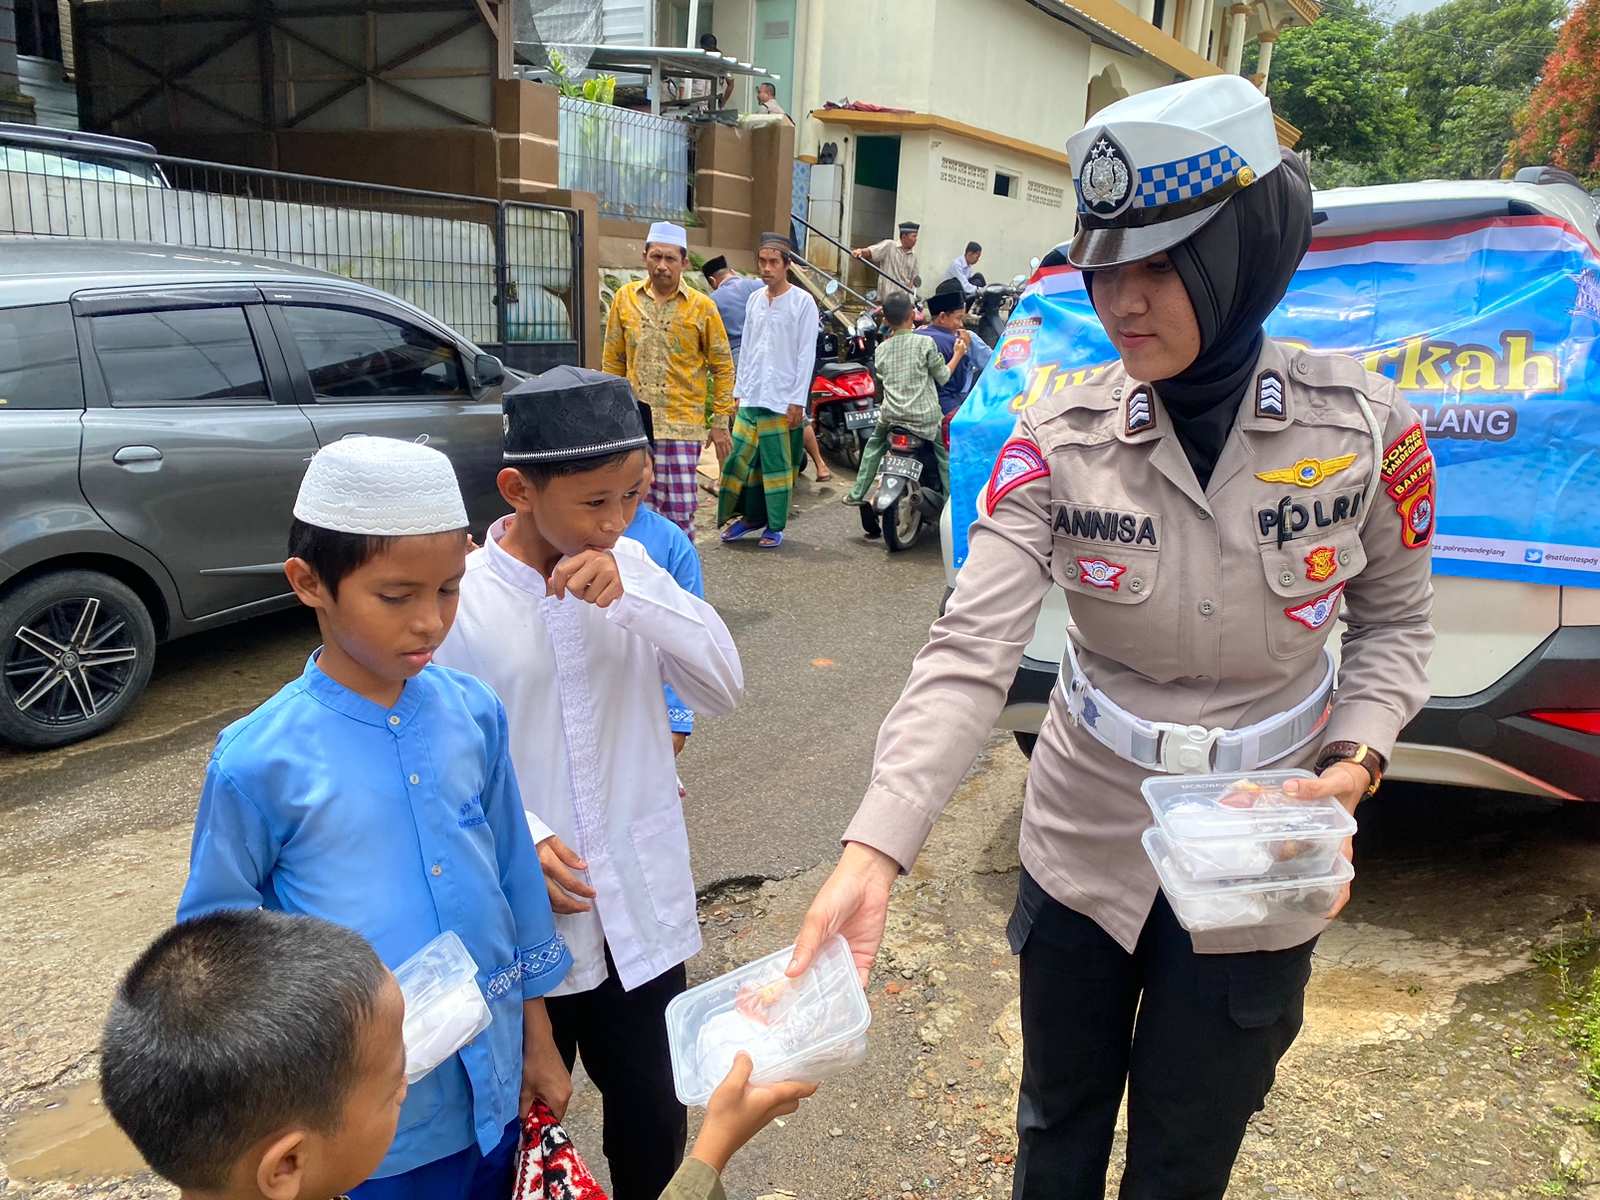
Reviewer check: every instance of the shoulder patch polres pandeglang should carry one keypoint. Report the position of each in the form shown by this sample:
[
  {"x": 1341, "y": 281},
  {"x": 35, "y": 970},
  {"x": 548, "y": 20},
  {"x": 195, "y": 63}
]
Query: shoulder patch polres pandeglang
[
  {"x": 1018, "y": 463},
  {"x": 1269, "y": 395},
  {"x": 1141, "y": 412}
]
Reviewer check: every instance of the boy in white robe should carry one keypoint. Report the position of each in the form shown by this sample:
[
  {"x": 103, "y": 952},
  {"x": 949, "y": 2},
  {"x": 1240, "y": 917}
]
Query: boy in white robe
[{"x": 577, "y": 629}]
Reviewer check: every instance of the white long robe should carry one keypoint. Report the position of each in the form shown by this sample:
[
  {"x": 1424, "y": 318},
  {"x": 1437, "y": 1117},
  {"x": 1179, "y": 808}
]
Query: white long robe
[{"x": 589, "y": 738}]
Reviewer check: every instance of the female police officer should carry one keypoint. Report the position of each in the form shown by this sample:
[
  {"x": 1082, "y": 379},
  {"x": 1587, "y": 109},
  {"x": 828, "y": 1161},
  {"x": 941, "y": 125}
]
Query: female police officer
[{"x": 1206, "y": 504}]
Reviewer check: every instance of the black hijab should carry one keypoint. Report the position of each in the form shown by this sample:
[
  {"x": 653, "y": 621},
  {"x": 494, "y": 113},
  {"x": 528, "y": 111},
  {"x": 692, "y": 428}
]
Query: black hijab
[{"x": 1236, "y": 268}]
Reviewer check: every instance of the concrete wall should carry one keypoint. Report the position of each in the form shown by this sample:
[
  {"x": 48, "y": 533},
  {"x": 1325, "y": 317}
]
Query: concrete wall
[{"x": 956, "y": 204}]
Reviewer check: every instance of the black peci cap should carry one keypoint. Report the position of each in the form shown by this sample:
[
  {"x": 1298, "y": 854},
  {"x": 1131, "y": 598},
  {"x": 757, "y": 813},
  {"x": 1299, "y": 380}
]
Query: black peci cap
[{"x": 569, "y": 413}]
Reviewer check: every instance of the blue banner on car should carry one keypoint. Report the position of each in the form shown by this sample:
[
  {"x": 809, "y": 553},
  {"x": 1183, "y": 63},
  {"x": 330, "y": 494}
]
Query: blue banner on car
[{"x": 1490, "y": 329}]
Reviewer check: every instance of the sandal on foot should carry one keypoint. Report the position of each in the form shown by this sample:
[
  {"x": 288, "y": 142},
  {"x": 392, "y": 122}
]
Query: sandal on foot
[
  {"x": 825, "y": 478},
  {"x": 738, "y": 530},
  {"x": 771, "y": 539}
]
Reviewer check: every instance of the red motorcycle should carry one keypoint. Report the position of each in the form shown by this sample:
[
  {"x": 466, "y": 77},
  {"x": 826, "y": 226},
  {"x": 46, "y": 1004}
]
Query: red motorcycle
[{"x": 844, "y": 394}]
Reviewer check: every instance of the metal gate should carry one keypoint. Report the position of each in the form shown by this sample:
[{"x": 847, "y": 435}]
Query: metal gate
[{"x": 505, "y": 273}]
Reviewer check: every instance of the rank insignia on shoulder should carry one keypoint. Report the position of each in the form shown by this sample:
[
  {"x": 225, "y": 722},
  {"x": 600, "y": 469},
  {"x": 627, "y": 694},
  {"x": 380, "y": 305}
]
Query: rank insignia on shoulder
[
  {"x": 1018, "y": 463},
  {"x": 1308, "y": 472},
  {"x": 1321, "y": 564},
  {"x": 1402, "y": 450},
  {"x": 1097, "y": 572},
  {"x": 1141, "y": 413},
  {"x": 1269, "y": 396},
  {"x": 1317, "y": 613}
]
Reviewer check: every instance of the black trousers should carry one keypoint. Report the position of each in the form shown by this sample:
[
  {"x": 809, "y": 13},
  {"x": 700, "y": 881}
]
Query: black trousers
[
  {"x": 622, "y": 1038},
  {"x": 1196, "y": 1038}
]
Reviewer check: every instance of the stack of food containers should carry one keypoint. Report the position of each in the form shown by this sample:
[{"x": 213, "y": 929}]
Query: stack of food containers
[
  {"x": 793, "y": 1029},
  {"x": 1235, "y": 851}
]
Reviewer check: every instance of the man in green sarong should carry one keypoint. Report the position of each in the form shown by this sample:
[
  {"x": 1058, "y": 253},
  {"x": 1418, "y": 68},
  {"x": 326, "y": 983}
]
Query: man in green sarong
[{"x": 776, "y": 356}]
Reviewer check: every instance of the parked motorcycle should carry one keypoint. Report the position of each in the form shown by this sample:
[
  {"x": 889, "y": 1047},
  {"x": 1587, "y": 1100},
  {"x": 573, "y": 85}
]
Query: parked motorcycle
[
  {"x": 990, "y": 308},
  {"x": 844, "y": 392},
  {"x": 910, "y": 491}
]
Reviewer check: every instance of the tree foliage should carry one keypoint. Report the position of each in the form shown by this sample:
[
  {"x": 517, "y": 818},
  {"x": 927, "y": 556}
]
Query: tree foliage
[
  {"x": 1434, "y": 95},
  {"x": 1326, "y": 81},
  {"x": 1561, "y": 124}
]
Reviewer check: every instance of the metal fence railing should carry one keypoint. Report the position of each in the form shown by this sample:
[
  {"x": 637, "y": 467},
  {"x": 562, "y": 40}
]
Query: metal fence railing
[
  {"x": 637, "y": 164},
  {"x": 499, "y": 272}
]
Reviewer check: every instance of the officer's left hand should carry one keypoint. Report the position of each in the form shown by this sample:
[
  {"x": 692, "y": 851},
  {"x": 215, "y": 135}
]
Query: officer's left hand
[{"x": 1346, "y": 782}]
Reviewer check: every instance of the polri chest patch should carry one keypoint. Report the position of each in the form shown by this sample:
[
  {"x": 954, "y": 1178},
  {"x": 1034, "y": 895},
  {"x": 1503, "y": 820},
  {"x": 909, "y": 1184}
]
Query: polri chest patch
[
  {"x": 1296, "y": 516},
  {"x": 1019, "y": 462}
]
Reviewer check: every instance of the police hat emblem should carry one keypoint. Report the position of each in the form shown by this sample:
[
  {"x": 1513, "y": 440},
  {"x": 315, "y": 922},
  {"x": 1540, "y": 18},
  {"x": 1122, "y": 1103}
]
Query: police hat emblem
[
  {"x": 1152, "y": 168},
  {"x": 1106, "y": 180}
]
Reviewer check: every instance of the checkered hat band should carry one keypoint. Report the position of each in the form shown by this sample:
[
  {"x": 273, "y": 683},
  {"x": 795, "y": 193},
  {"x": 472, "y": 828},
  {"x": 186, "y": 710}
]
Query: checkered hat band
[{"x": 1187, "y": 178}]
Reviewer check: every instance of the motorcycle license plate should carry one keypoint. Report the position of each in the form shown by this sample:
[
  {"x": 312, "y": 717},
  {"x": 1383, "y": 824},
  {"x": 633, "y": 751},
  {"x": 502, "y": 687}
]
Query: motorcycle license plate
[
  {"x": 860, "y": 418},
  {"x": 894, "y": 464}
]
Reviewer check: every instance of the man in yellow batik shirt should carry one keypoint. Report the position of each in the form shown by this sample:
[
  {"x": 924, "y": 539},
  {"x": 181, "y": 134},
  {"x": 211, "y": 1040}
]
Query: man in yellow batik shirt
[{"x": 665, "y": 337}]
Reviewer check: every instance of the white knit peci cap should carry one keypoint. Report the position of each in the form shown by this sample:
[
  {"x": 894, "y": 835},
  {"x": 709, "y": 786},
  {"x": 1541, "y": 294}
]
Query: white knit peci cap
[
  {"x": 381, "y": 486},
  {"x": 668, "y": 234}
]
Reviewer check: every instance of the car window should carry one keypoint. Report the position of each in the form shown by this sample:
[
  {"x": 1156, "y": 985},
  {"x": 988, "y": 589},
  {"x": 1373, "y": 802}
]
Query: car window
[
  {"x": 179, "y": 356},
  {"x": 39, "y": 358},
  {"x": 28, "y": 160},
  {"x": 357, "y": 355}
]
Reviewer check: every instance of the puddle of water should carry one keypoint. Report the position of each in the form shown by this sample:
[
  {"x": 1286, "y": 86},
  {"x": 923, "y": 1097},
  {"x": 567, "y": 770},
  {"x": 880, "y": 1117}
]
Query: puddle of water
[{"x": 69, "y": 1135}]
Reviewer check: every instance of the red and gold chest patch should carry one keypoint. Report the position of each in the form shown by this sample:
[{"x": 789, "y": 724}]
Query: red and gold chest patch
[{"x": 1321, "y": 564}]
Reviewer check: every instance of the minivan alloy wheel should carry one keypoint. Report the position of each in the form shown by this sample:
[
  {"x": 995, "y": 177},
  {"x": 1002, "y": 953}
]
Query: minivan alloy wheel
[
  {"x": 70, "y": 661},
  {"x": 76, "y": 648}
]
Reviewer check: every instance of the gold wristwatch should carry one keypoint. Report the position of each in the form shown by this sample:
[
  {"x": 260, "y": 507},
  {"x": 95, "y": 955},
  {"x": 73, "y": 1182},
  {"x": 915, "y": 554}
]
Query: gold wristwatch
[{"x": 1363, "y": 755}]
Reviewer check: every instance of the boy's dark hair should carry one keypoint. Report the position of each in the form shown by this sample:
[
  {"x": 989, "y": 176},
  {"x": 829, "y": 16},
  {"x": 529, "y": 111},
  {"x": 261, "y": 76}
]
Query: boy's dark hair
[
  {"x": 230, "y": 1027},
  {"x": 897, "y": 308},
  {"x": 540, "y": 474},
  {"x": 333, "y": 555}
]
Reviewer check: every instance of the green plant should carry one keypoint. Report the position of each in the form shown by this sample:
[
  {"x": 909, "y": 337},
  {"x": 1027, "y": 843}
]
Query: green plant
[{"x": 602, "y": 89}]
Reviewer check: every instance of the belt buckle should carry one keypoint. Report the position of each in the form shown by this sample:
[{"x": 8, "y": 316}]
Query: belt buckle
[{"x": 1186, "y": 749}]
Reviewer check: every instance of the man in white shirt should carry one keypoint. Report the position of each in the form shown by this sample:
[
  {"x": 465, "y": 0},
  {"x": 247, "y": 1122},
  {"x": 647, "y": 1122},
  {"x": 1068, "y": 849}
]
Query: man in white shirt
[
  {"x": 776, "y": 358},
  {"x": 576, "y": 630},
  {"x": 961, "y": 268}
]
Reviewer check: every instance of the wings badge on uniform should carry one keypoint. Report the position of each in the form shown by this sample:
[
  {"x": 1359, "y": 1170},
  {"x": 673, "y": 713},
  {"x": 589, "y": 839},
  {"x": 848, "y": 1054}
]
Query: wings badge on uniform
[
  {"x": 1019, "y": 462},
  {"x": 1316, "y": 613},
  {"x": 1308, "y": 472}
]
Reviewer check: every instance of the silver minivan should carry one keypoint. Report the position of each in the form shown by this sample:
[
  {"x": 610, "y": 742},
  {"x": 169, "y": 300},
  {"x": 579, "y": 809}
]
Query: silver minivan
[{"x": 158, "y": 406}]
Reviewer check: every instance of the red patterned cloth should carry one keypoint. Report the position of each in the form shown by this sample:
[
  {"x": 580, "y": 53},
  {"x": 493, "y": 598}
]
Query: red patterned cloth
[
  {"x": 548, "y": 1167},
  {"x": 677, "y": 491}
]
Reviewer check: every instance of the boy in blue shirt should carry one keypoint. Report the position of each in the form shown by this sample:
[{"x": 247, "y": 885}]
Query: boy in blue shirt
[
  {"x": 377, "y": 792},
  {"x": 670, "y": 549}
]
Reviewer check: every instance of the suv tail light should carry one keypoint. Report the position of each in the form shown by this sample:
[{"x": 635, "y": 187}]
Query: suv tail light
[{"x": 1581, "y": 720}]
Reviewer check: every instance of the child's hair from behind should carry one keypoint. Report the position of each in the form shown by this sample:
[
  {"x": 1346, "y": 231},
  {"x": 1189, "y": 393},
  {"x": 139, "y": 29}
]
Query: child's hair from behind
[
  {"x": 231, "y": 1027},
  {"x": 897, "y": 309}
]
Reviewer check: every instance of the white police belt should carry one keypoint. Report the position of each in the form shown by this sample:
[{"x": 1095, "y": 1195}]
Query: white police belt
[{"x": 1194, "y": 749}]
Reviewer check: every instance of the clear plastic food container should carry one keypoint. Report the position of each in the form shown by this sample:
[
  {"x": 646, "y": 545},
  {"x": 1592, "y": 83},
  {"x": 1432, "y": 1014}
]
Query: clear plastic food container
[
  {"x": 1238, "y": 904},
  {"x": 1246, "y": 827},
  {"x": 445, "y": 1008},
  {"x": 804, "y": 1029}
]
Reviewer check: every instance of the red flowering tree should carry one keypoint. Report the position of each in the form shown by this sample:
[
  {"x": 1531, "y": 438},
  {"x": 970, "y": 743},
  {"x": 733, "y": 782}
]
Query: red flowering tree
[{"x": 1560, "y": 126}]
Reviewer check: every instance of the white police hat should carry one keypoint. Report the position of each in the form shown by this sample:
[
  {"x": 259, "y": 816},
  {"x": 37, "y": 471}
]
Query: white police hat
[{"x": 1151, "y": 169}]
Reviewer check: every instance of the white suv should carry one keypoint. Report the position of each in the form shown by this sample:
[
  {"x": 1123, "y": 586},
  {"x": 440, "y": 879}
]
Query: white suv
[{"x": 1516, "y": 673}]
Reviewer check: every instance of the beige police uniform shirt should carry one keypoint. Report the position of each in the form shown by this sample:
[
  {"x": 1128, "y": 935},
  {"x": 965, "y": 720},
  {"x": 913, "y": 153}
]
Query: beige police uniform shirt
[{"x": 1223, "y": 601}]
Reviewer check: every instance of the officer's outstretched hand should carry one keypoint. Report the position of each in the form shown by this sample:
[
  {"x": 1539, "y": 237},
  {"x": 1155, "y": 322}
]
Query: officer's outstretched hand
[
  {"x": 1346, "y": 782},
  {"x": 854, "y": 902}
]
